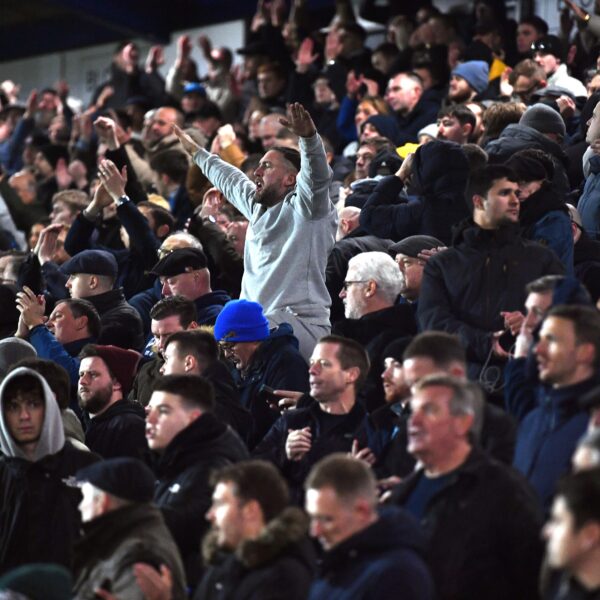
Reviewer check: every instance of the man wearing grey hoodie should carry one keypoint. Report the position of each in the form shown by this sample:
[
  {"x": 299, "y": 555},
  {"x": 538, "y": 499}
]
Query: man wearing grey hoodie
[
  {"x": 292, "y": 227},
  {"x": 39, "y": 519}
]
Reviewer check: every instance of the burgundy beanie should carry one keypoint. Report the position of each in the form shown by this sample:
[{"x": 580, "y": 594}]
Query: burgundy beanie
[{"x": 122, "y": 364}]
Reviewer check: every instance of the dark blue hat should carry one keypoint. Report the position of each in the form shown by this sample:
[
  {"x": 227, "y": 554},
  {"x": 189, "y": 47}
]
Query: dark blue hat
[
  {"x": 127, "y": 478},
  {"x": 386, "y": 126},
  {"x": 241, "y": 321},
  {"x": 194, "y": 88},
  {"x": 96, "y": 262}
]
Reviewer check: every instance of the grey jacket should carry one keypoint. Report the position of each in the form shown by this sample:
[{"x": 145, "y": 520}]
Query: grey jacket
[{"x": 287, "y": 245}]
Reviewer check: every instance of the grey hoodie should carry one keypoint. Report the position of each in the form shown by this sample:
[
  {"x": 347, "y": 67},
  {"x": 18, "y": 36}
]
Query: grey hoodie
[{"x": 52, "y": 438}]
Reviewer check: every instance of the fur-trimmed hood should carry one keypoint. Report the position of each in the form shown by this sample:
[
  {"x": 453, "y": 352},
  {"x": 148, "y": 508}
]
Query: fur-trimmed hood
[{"x": 289, "y": 527}]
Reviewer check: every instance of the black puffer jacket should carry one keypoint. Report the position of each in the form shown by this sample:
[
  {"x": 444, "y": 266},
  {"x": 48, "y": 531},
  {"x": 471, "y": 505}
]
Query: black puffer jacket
[
  {"x": 119, "y": 431},
  {"x": 183, "y": 492},
  {"x": 465, "y": 288},
  {"x": 517, "y": 137},
  {"x": 278, "y": 565},
  {"x": 439, "y": 175},
  {"x": 483, "y": 532}
]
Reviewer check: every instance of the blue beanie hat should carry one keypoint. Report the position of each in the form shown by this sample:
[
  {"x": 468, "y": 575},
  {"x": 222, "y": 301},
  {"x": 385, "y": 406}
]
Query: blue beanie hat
[
  {"x": 475, "y": 73},
  {"x": 241, "y": 321}
]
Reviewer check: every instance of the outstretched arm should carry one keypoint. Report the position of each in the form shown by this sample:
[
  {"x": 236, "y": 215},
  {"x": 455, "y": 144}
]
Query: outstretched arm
[{"x": 313, "y": 180}]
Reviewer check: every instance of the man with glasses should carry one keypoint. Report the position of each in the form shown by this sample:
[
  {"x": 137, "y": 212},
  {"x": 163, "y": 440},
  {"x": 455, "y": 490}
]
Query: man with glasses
[
  {"x": 373, "y": 319},
  {"x": 261, "y": 357}
]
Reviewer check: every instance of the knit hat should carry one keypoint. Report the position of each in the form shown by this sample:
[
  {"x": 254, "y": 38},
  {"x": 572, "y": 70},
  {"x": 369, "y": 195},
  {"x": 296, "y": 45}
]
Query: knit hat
[
  {"x": 396, "y": 349},
  {"x": 385, "y": 125},
  {"x": 38, "y": 581},
  {"x": 430, "y": 130},
  {"x": 53, "y": 153},
  {"x": 12, "y": 350},
  {"x": 194, "y": 88},
  {"x": 122, "y": 364},
  {"x": 475, "y": 73},
  {"x": 544, "y": 119},
  {"x": 415, "y": 244},
  {"x": 182, "y": 260},
  {"x": 127, "y": 478},
  {"x": 527, "y": 168},
  {"x": 96, "y": 262},
  {"x": 241, "y": 321},
  {"x": 549, "y": 44}
]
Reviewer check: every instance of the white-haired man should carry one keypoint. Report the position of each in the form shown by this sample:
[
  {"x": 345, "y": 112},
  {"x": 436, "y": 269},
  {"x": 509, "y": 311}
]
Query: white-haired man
[{"x": 373, "y": 318}]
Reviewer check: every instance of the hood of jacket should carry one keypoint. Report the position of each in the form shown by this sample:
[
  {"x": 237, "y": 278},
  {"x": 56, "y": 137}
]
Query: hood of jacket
[
  {"x": 203, "y": 439},
  {"x": 440, "y": 170},
  {"x": 394, "y": 529},
  {"x": 524, "y": 136},
  {"x": 287, "y": 528},
  {"x": 540, "y": 203},
  {"x": 469, "y": 233},
  {"x": 216, "y": 297},
  {"x": 52, "y": 437}
]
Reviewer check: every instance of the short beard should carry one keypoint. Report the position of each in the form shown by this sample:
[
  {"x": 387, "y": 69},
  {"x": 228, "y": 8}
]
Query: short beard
[
  {"x": 98, "y": 402},
  {"x": 461, "y": 97},
  {"x": 269, "y": 197}
]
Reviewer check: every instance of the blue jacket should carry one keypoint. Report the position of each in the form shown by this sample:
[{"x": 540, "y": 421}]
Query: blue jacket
[
  {"x": 278, "y": 364},
  {"x": 551, "y": 424},
  {"x": 553, "y": 230},
  {"x": 589, "y": 202},
  {"x": 383, "y": 562}
]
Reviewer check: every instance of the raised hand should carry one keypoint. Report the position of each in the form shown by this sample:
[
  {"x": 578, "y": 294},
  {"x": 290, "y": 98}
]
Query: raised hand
[
  {"x": 189, "y": 145},
  {"x": 31, "y": 307},
  {"x": 112, "y": 181},
  {"x": 305, "y": 56},
  {"x": 106, "y": 129},
  {"x": 299, "y": 121},
  {"x": 156, "y": 58},
  {"x": 62, "y": 175},
  {"x": 47, "y": 243}
]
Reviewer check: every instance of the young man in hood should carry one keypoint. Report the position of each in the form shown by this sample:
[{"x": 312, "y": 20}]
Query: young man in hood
[{"x": 39, "y": 521}]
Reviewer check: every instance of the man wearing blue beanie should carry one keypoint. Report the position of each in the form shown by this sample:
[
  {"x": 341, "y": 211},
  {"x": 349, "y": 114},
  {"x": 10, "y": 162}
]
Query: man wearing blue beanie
[
  {"x": 468, "y": 79},
  {"x": 261, "y": 357}
]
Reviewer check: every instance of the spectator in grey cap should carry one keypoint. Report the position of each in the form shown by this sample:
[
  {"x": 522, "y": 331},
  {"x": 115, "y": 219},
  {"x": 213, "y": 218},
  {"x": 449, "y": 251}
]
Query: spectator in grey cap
[
  {"x": 123, "y": 531},
  {"x": 184, "y": 272}
]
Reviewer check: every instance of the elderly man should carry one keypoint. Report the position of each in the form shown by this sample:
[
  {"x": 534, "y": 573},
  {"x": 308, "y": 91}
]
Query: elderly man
[
  {"x": 493, "y": 532},
  {"x": 373, "y": 318},
  {"x": 121, "y": 529},
  {"x": 292, "y": 227},
  {"x": 184, "y": 272}
]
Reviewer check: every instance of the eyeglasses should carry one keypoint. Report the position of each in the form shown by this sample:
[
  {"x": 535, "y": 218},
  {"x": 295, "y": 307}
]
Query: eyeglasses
[{"x": 347, "y": 284}]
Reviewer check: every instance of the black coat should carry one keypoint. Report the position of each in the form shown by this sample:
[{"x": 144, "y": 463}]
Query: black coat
[
  {"x": 119, "y": 431},
  {"x": 326, "y": 439},
  {"x": 278, "y": 565},
  {"x": 375, "y": 331},
  {"x": 465, "y": 288},
  {"x": 114, "y": 542},
  {"x": 517, "y": 137},
  {"x": 483, "y": 529},
  {"x": 587, "y": 264},
  {"x": 39, "y": 516},
  {"x": 439, "y": 176},
  {"x": 277, "y": 364},
  {"x": 354, "y": 243},
  {"x": 183, "y": 492},
  {"x": 120, "y": 323}
]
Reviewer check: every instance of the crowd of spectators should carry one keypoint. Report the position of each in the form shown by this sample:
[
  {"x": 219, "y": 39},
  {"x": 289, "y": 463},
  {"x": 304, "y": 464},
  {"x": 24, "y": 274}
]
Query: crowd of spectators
[{"x": 324, "y": 324}]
